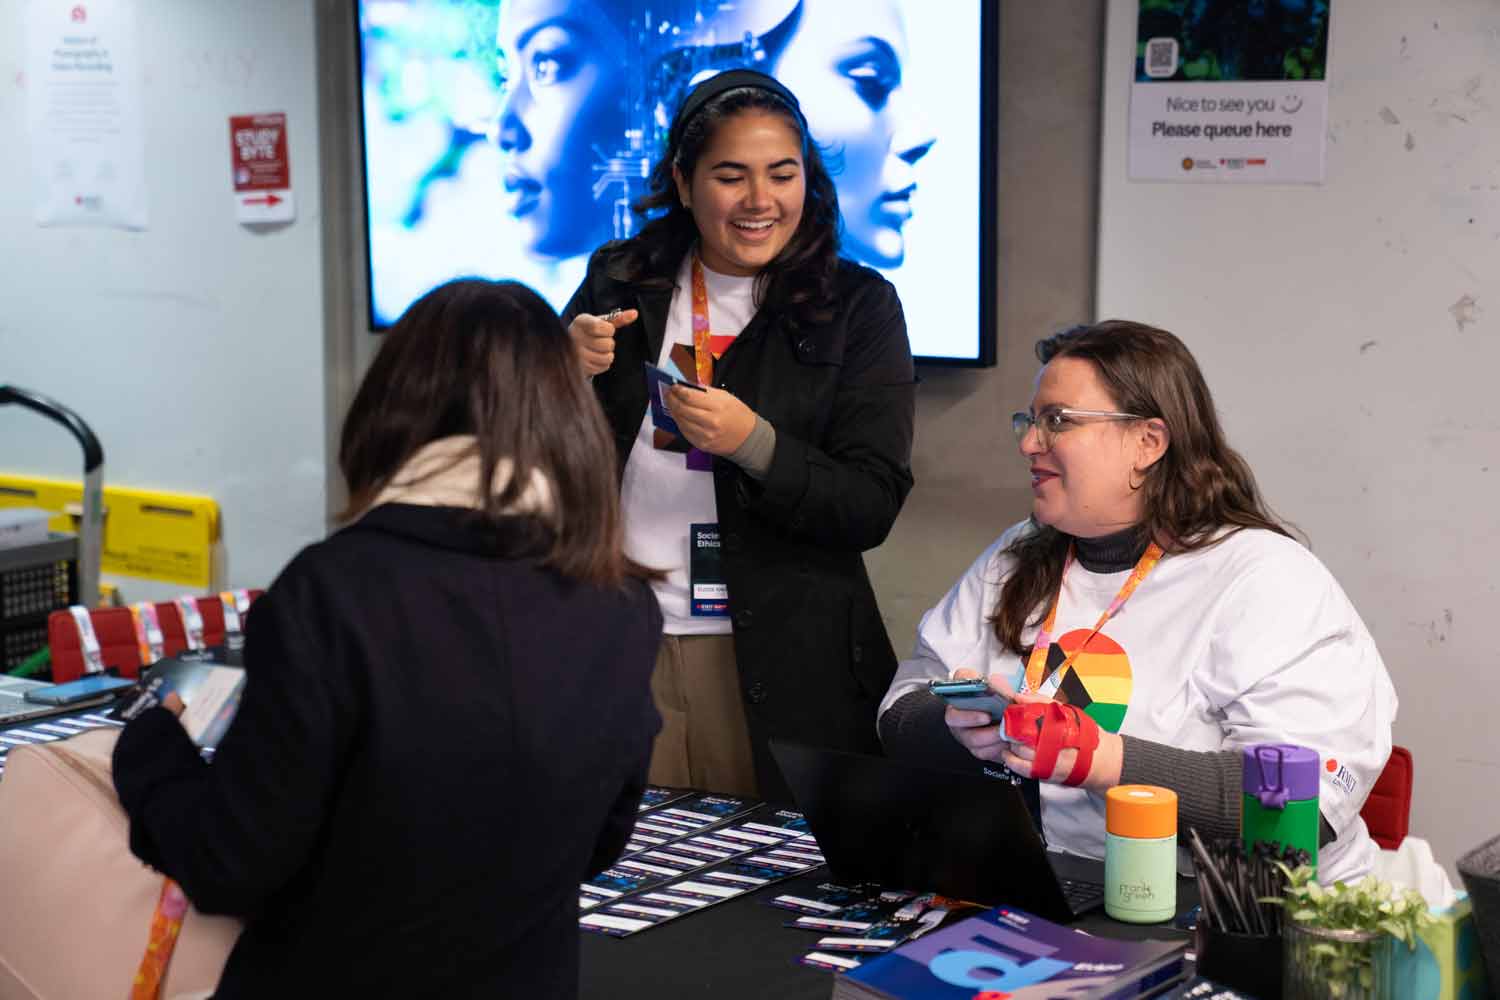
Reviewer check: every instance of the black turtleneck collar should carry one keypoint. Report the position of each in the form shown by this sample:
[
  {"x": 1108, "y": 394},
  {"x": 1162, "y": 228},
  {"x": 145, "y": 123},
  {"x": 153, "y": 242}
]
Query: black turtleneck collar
[{"x": 1112, "y": 553}]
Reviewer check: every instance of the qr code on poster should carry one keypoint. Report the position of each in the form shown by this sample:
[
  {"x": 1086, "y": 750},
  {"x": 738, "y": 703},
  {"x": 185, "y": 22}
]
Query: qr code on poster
[{"x": 1161, "y": 57}]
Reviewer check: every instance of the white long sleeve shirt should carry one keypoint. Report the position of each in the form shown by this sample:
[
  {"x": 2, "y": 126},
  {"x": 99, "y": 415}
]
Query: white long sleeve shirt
[{"x": 1248, "y": 641}]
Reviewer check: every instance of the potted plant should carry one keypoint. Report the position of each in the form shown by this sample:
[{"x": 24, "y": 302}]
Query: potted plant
[{"x": 1339, "y": 937}]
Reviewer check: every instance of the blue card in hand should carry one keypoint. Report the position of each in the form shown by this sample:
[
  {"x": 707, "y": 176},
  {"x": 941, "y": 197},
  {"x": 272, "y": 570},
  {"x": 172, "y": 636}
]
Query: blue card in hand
[{"x": 658, "y": 380}]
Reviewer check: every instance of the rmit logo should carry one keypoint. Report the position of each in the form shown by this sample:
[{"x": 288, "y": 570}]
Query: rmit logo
[{"x": 1341, "y": 775}]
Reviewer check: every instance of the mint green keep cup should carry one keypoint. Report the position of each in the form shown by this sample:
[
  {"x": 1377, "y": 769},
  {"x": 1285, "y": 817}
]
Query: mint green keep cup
[{"x": 1140, "y": 853}]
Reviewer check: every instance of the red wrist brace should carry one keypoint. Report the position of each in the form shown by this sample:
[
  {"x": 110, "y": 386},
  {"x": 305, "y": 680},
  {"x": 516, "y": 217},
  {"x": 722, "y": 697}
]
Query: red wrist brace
[{"x": 1049, "y": 728}]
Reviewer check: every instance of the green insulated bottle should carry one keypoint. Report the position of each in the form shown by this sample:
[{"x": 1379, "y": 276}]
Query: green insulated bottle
[{"x": 1280, "y": 802}]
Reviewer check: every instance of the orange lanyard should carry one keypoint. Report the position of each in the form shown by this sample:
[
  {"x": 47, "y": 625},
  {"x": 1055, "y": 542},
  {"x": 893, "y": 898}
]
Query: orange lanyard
[
  {"x": 166, "y": 922},
  {"x": 703, "y": 354},
  {"x": 1036, "y": 666}
]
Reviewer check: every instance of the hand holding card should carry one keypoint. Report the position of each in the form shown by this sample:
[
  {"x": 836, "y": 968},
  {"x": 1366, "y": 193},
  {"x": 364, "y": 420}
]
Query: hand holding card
[
  {"x": 712, "y": 420},
  {"x": 658, "y": 381},
  {"x": 203, "y": 695}
]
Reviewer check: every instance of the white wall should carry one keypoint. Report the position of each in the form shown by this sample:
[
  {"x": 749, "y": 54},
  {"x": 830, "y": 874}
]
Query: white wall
[
  {"x": 195, "y": 348},
  {"x": 971, "y": 482},
  {"x": 1322, "y": 318}
]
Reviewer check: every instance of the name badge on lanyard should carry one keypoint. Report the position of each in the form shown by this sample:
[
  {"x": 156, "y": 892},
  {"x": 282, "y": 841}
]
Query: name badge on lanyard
[
  {"x": 709, "y": 594},
  {"x": 88, "y": 642},
  {"x": 148, "y": 637},
  {"x": 192, "y": 622}
]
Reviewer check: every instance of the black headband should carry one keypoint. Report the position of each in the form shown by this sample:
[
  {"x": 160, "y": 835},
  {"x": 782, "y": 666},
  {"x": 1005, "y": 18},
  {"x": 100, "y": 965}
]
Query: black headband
[{"x": 728, "y": 80}]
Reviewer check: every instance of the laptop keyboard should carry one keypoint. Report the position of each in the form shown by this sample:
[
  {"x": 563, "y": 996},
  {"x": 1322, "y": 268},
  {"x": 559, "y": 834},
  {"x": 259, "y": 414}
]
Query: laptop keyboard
[{"x": 1081, "y": 896}]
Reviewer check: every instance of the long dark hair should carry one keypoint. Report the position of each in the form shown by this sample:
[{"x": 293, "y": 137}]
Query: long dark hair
[
  {"x": 1197, "y": 488},
  {"x": 492, "y": 360},
  {"x": 799, "y": 282}
]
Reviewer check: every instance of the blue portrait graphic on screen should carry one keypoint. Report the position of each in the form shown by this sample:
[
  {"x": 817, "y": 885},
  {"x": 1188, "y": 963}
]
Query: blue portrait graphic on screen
[
  {"x": 508, "y": 138},
  {"x": 848, "y": 69},
  {"x": 563, "y": 73}
]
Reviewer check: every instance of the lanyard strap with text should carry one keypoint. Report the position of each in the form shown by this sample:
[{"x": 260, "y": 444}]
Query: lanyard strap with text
[
  {"x": 1037, "y": 664},
  {"x": 703, "y": 355}
]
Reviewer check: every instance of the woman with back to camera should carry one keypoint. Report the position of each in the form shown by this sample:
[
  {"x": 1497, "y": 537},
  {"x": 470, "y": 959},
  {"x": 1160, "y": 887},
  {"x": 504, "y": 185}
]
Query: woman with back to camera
[
  {"x": 793, "y": 444},
  {"x": 404, "y": 804},
  {"x": 1153, "y": 592}
]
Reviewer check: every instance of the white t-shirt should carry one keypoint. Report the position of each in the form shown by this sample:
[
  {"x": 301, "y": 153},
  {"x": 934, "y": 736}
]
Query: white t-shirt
[
  {"x": 1248, "y": 641},
  {"x": 659, "y": 494}
]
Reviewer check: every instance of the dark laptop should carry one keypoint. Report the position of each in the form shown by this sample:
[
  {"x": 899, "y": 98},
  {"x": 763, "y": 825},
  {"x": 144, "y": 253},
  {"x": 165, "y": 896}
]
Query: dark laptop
[{"x": 960, "y": 834}]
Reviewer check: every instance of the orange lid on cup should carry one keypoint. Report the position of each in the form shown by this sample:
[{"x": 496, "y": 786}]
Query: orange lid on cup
[{"x": 1140, "y": 811}]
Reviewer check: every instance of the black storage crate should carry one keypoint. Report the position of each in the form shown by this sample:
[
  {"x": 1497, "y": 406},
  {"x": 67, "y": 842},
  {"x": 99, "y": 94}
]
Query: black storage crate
[
  {"x": 1480, "y": 871},
  {"x": 35, "y": 580}
]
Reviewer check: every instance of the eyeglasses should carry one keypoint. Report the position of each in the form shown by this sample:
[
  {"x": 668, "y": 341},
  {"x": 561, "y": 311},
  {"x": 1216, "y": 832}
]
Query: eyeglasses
[{"x": 1056, "y": 420}]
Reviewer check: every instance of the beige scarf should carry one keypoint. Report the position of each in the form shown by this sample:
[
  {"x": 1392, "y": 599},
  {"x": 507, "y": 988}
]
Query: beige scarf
[{"x": 443, "y": 473}]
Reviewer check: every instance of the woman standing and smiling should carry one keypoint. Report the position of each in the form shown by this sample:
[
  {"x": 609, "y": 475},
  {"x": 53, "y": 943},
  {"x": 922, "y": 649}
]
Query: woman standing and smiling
[{"x": 793, "y": 450}]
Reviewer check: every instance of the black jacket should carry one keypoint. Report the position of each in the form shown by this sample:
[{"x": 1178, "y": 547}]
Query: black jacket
[
  {"x": 438, "y": 740},
  {"x": 813, "y": 653}
]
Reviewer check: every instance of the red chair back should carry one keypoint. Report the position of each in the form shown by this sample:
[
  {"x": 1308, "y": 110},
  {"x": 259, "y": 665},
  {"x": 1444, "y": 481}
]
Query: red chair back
[
  {"x": 1387, "y": 810},
  {"x": 115, "y": 630}
]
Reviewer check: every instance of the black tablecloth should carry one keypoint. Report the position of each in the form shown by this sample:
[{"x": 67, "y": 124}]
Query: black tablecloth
[{"x": 742, "y": 949}]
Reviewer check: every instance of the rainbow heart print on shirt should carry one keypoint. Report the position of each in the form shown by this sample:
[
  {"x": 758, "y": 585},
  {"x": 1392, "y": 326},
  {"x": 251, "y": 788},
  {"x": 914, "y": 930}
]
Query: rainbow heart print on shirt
[{"x": 1099, "y": 681}]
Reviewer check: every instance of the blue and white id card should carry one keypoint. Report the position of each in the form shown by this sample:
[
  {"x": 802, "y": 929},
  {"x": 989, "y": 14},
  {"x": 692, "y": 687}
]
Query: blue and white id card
[{"x": 658, "y": 380}]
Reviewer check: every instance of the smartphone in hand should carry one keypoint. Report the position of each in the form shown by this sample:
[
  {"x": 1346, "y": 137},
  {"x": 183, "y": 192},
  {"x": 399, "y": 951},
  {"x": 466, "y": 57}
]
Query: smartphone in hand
[{"x": 972, "y": 696}]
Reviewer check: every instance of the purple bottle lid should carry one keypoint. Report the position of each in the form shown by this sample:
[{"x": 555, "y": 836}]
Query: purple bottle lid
[{"x": 1278, "y": 773}]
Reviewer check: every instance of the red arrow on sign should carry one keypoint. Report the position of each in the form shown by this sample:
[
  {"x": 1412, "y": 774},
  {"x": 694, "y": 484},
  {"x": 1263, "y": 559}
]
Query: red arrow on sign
[{"x": 268, "y": 200}]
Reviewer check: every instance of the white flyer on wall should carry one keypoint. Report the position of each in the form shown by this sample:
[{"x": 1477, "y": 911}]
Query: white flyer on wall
[
  {"x": 1228, "y": 91},
  {"x": 84, "y": 113}
]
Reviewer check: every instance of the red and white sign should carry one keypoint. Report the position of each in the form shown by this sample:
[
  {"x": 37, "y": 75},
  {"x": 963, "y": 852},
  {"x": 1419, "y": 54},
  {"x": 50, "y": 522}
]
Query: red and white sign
[{"x": 261, "y": 169}]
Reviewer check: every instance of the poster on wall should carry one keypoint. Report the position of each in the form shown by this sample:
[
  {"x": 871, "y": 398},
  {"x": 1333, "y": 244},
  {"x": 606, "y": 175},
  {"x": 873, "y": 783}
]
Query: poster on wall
[
  {"x": 83, "y": 113},
  {"x": 260, "y": 168},
  {"x": 509, "y": 138},
  {"x": 1230, "y": 91}
]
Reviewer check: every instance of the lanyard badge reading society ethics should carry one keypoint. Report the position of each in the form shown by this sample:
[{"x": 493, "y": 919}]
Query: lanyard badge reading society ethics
[
  {"x": 709, "y": 597},
  {"x": 1037, "y": 678}
]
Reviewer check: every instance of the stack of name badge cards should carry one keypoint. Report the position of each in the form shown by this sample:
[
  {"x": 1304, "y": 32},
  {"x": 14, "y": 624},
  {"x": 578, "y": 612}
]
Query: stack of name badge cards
[
  {"x": 875, "y": 925},
  {"x": 57, "y": 728},
  {"x": 688, "y": 853}
]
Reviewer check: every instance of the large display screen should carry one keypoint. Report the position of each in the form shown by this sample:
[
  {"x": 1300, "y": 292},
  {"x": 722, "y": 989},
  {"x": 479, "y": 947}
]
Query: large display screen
[{"x": 508, "y": 138}]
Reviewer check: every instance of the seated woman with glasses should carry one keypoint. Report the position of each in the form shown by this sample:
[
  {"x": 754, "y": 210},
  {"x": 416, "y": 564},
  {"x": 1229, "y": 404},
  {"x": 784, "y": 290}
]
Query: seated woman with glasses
[{"x": 1153, "y": 593}]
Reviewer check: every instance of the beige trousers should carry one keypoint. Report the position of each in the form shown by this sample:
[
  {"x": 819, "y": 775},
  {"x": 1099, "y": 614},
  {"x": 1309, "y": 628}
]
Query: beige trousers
[{"x": 704, "y": 741}]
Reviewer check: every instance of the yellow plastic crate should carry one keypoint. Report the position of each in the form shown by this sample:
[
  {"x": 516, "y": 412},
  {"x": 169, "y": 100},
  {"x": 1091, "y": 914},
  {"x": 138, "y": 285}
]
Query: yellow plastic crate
[{"x": 148, "y": 534}]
